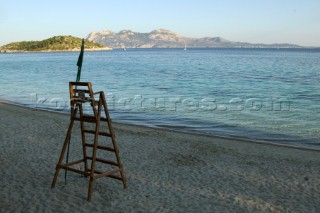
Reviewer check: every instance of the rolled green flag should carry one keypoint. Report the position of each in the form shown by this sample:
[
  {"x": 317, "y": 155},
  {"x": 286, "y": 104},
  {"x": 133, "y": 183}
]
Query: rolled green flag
[{"x": 79, "y": 63}]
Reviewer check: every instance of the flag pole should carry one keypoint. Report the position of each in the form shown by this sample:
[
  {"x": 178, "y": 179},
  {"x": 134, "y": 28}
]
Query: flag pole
[{"x": 79, "y": 64}]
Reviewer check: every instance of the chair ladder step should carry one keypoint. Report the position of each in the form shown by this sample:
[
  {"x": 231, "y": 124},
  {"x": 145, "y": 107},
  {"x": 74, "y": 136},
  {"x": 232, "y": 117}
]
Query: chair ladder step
[
  {"x": 101, "y": 147},
  {"x": 105, "y": 174},
  {"x": 100, "y": 133},
  {"x": 89, "y": 119},
  {"x": 111, "y": 176},
  {"x": 104, "y": 161}
]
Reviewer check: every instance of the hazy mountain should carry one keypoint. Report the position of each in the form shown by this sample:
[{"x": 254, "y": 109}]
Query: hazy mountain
[{"x": 162, "y": 38}]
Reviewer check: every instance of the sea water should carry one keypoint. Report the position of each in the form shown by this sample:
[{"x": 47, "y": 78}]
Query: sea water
[{"x": 259, "y": 94}]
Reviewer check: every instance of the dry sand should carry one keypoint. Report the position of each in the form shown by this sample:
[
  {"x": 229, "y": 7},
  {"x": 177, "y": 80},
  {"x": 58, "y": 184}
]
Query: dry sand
[{"x": 166, "y": 171}]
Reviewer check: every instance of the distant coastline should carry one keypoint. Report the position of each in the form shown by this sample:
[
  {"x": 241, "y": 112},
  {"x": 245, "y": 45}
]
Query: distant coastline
[{"x": 127, "y": 39}]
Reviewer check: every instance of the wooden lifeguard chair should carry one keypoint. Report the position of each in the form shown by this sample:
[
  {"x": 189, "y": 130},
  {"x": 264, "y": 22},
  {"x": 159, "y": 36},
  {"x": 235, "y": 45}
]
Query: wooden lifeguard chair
[{"x": 81, "y": 96}]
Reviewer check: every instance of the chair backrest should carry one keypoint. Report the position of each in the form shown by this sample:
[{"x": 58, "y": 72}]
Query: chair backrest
[{"x": 81, "y": 94}]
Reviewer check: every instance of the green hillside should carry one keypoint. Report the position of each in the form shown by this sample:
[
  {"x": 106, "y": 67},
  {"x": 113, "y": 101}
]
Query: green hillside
[{"x": 56, "y": 43}]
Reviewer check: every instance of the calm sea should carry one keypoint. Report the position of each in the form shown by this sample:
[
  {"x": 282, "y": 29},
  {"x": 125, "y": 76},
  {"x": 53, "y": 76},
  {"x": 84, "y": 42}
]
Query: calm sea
[{"x": 260, "y": 94}]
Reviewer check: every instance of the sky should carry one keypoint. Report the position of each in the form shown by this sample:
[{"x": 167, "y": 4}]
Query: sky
[{"x": 254, "y": 21}]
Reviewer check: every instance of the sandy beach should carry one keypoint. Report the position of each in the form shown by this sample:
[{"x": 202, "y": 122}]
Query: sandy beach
[{"x": 166, "y": 171}]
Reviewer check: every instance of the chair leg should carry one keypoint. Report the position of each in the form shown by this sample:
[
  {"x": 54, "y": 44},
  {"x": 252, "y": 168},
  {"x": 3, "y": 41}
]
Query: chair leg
[
  {"x": 113, "y": 140},
  {"x": 90, "y": 188},
  {"x": 66, "y": 141},
  {"x": 123, "y": 178}
]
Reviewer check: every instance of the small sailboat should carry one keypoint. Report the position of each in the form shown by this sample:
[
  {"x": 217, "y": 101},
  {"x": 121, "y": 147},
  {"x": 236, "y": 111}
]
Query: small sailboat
[{"x": 185, "y": 46}]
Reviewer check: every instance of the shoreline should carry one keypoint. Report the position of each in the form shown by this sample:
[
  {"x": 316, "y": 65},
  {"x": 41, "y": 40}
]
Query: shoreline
[
  {"x": 166, "y": 171},
  {"x": 169, "y": 48},
  {"x": 246, "y": 140},
  {"x": 52, "y": 51}
]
